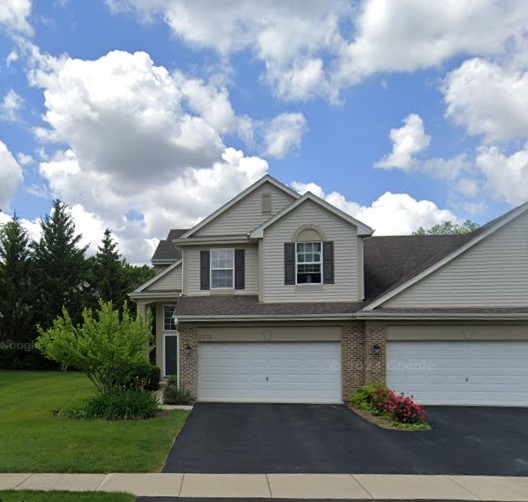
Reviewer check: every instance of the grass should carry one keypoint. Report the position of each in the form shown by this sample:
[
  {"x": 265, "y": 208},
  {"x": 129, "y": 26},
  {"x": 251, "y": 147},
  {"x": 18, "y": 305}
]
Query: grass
[
  {"x": 34, "y": 496},
  {"x": 34, "y": 439}
]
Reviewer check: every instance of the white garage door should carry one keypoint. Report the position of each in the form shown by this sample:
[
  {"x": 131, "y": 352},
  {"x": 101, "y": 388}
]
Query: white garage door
[
  {"x": 286, "y": 372},
  {"x": 460, "y": 373}
]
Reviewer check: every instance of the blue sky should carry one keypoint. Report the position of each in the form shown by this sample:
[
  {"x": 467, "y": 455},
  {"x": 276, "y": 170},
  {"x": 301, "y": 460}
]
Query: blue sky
[{"x": 144, "y": 115}]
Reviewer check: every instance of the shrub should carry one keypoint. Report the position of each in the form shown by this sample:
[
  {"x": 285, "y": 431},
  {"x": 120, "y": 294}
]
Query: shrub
[
  {"x": 173, "y": 395},
  {"x": 108, "y": 347},
  {"x": 399, "y": 408},
  {"x": 363, "y": 397},
  {"x": 136, "y": 376},
  {"x": 128, "y": 405}
]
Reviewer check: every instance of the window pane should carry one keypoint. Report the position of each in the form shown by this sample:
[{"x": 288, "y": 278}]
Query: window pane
[
  {"x": 222, "y": 278},
  {"x": 171, "y": 355},
  {"x": 310, "y": 278},
  {"x": 309, "y": 262},
  {"x": 168, "y": 320}
]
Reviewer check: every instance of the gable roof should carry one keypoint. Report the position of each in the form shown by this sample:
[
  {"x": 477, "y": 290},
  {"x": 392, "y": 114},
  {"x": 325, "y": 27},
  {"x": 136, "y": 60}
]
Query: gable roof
[
  {"x": 166, "y": 252},
  {"x": 240, "y": 196},
  {"x": 156, "y": 278},
  {"x": 451, "y": 248},
  {"x": 362, "y": 229}
]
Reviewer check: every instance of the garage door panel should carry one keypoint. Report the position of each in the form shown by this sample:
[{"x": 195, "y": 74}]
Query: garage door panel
[
  {"x": 460, "y": 372},
  {"x": 300, "y": 372}
]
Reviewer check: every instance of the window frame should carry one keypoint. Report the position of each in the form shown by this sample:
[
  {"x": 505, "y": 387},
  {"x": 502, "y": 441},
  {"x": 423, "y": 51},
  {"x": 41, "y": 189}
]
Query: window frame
[
  {"x": 165, "y": 330},
  {"x": 320, "y": 263},
  {"x": 232, "y": 268}
]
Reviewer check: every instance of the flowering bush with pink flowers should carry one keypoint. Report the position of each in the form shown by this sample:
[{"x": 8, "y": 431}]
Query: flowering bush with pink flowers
[{"x": 400, "y": 409}]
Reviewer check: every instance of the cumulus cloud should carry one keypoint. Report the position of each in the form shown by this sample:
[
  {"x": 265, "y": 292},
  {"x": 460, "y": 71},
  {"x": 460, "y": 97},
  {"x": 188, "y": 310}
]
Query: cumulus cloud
[
  {"x": 10, "y": 106},
  {"x": 10, "y": 176},
  {"x": 307, "y": 52},
  {"x": 14, "y": 16},
  {"x": 488, "y": 99},
  {"x": 506, "y": 176},
  {"x": 390, "y": 214},
  {"x": 283, "y": 134},
  {"x": 407, "y": 141}
]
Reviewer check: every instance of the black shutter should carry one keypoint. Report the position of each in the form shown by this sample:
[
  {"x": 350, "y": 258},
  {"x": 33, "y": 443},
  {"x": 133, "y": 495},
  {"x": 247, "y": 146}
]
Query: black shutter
[
  {"x": 240, "y": 269},
  {"x": 289, "y": 263},
  {"x": 205, "y": 259},
  {"x": 328, "y": 262}
]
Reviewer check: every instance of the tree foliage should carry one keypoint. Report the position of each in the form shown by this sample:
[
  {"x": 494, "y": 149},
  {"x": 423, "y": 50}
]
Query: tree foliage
[
  {"x": 448, "y": 227},
  {"x": 16, "y": 309},
  {"x": 108, "y": 346},
  {"x": 60, "y": 267}
]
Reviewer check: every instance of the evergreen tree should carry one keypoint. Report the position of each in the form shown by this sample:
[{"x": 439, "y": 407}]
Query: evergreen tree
[
  {"x": 136, "y": 275},
  {"x": 16, "y": 308},
  {"x": 60, "y": 267},
  {"x": 108, "y": 279}
]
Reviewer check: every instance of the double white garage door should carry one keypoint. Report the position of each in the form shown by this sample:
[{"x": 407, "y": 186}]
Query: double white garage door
[
  {"x": 493, "y": 373},
  {"x": 273, "y": 372}
]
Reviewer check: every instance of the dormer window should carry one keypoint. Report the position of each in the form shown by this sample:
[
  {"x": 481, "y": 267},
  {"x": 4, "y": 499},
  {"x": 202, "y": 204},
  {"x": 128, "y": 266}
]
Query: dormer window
[{"x": 309, "y": 262}]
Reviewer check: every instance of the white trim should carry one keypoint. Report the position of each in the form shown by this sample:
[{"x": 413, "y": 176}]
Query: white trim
[
  {"x": 240, "y": 196},
  {"x": 211, "y": 269},
  {"x": 176, "y": 334},
  {"x": 320, "y": 263},
  {"x": 163, "y": 273},
  {"x": 468, "y": 245},
  {"x": 436, "y": 316},
  {"x": 362, "y": 229}
]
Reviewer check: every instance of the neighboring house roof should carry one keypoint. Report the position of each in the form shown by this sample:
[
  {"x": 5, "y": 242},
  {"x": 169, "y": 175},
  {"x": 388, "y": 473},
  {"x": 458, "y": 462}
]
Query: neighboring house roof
[
  {"x": 166, "y": 252},
  {"x": 362, "y": 229},
  {"x": 240, "y": 196},
  {"x": 445, "y": 255},
  {"x": 243, "y": 307}
]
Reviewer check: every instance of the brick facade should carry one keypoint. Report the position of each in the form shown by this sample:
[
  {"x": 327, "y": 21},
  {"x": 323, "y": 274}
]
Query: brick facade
[
  {"x": 358, "y": 362},
  {"x": 188, "y": 337}
]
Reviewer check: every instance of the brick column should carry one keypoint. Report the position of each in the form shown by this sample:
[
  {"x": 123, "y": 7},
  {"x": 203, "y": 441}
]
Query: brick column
[
  {"x": 352, "y": 358},
  {"x": 375, "y": 366},
  {"x": 188, "y": 337}
]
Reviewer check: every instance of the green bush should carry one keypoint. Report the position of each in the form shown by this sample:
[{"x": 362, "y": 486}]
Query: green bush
[
  {"x": 109, "y": 347},
  {"x": 128, "y": 405},
  {"x": 135, "y": 376},
  {"x": 364, "y": 396},
  {"x": 173, "y": 395},
  {"x": 173, "y": 380}
]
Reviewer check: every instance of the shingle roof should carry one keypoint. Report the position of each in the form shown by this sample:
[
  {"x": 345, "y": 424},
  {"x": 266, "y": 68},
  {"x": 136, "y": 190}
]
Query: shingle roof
[
  {"x": 249, "y": 305},
  {"x": 166, "y": 251},
  {"x": 391, "y": 261}
]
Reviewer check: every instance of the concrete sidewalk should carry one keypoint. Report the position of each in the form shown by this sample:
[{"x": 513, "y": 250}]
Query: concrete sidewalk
[{"x": 296, "y": 486}]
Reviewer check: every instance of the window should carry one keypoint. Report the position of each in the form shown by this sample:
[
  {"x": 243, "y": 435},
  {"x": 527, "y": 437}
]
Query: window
[
  {"x": 222, "y": 268},
  {"x": 168, "y": 319},
  {"x": 170, "y": 363},
  {"x": 309, "y": 262}
]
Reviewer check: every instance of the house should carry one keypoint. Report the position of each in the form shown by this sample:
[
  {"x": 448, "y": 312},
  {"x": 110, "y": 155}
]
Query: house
[{"x": 278, "y": 297}]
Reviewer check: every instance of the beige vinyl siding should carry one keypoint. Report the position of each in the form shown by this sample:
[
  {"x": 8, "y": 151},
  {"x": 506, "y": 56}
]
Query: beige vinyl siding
[
  {"x": 246, "y": 214},
  {"x": 460, "y": 332},
  {"x": 493, "y": 273},
  {"x": 192, "y": 260},
  {"x": 346, "y": 256},
  {"x": 169, "y": 282}
]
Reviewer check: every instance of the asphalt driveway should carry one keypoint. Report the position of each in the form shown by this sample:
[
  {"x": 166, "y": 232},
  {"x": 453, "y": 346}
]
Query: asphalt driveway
[{"x": 276, "y": 438}]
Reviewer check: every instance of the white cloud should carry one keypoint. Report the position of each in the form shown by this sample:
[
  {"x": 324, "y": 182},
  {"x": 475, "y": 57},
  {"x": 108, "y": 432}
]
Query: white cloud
[
  {"x": 10, "y": 106},
  {"x": 468, "y": 187},
  {"x": 10, "y": 176},
  {"x": 488, "y": 99},
  {"x": 407, "y": 35},
  {"x": 14, "y": 14},
  {"x": 314, "y": 49},
  {"x": 24, "y": 159},
  {"x": 283, "y": 134},
  {"x": 506, "y": 175},
  {"x": 407, "y": 141},
  {"x": 390, "y": 214},
  {"x": 139, "y": 140}
]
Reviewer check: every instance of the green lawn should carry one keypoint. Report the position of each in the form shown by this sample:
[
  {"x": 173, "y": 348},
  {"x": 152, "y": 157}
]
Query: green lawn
[
  {"x": 35, "y": 440},
  {"x": 30, "y": 496}
]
